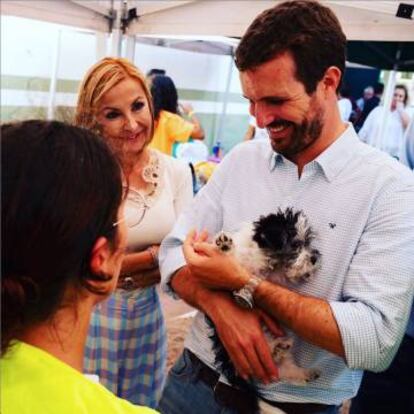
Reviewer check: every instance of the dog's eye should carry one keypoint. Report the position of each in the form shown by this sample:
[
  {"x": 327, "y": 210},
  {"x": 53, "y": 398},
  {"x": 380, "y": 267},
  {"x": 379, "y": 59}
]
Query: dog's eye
[{"x": 296, "y": 244}]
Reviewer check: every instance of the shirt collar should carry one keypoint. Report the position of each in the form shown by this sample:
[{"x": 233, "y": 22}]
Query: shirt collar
[
  {"x": 275, "y": 159},
  {"x": 333, "y": 159}
]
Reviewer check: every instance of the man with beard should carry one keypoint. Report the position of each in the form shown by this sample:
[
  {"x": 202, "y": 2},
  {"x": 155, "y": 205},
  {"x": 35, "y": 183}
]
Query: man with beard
[{"x": 359, "y": 202}]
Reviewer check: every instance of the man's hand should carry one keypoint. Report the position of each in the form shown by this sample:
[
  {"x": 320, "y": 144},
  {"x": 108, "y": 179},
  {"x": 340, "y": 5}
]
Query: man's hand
[
  {"x": 210, "y": 266},
  {"x": 241, "y": 333}
]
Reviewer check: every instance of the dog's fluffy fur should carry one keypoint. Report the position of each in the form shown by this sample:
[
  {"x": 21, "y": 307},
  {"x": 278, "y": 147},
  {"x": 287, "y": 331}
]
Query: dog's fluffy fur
[{"x": 276, "y": 247}]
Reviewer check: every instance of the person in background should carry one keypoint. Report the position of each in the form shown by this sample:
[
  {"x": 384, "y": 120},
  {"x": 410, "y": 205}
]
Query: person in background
[
  {"x": 398, "y": 119},
  {"x": 407, "y": 156},
  {"x": 154, "y": 72},
  {"x": 126, "y": 344},
  {"x": 345, "y": 104},
  {"x": 254, "y": 132},
  {"x": 170, "y": 126},
  {"x": 351, "y": 316},
  {"x": 369, "y": 105},
  {"x": 367, "y": 94},
  {"x": 63, "y": 240}
]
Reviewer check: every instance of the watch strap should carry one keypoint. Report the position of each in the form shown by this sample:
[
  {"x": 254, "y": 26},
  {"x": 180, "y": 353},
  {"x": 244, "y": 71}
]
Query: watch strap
[{"x": 244, "y": 296}]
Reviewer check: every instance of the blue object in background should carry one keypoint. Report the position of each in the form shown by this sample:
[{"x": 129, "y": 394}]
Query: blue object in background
[{"x": 216, "y": 149}]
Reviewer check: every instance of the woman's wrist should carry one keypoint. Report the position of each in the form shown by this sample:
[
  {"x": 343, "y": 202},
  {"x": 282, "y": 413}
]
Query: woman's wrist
[{"x": 153, "y": 251}]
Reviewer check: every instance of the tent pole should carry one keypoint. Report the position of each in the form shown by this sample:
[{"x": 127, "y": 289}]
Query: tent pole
[
  {"x": 116, "y": 43},
  {"x": 130, "y": 47},
  {"x": 219, "y": 129},
  {"x": 53, "y": 77},
  {"x": 101, "y": 45},
  {"x": 116, "y": 33}
]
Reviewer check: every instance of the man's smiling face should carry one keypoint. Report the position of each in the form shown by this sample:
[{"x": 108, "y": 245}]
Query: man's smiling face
[{"x": 293, "y": 119}]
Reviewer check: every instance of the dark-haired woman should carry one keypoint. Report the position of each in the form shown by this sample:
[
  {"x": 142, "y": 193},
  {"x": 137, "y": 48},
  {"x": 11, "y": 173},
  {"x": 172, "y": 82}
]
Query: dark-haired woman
[
  {"x": 170, "y": 127},
  {"x": 63, "y": 240}
]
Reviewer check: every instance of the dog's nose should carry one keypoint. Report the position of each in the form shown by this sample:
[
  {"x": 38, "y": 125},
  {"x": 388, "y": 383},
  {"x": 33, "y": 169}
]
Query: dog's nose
[{"x": 314, "y": 259}]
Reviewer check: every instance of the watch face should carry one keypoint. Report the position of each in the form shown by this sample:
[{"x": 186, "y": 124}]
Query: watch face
[{"x": 243, "y": 299}]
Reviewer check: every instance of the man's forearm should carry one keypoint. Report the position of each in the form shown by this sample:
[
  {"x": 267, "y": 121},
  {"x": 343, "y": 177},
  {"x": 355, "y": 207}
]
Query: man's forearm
[
  {"x": 310, "y": 318},
  {"x": 194, "y": 293}
]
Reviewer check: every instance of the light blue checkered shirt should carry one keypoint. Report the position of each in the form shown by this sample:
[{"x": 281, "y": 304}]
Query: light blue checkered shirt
[{"x": 360, "y": 202}]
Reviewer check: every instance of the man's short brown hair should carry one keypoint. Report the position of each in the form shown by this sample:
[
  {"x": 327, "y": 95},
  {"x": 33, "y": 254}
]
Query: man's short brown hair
[{"x": 309, "y": 31}]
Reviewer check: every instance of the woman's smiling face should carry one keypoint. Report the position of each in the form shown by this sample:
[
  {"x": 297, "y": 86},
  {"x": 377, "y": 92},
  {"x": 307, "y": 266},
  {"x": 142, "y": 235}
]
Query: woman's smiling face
[{"x": 124, "y": 117}]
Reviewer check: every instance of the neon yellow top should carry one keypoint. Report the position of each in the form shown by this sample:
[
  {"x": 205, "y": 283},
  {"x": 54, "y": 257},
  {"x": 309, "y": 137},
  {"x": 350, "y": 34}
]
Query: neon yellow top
[
  {"x": 170, "y": 128},
  {"x": 35, "y": 382}
]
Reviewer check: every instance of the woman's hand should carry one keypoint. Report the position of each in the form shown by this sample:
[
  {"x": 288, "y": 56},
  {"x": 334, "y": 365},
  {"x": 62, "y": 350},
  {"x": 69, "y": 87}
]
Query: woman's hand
[
  {"x": 405, "y": 118},
  {"x": 148, "y": 277},
  {"x": 154, "y": 250},
  {"x": 241, "y": 333},
  {"x": 140, "y": 261},
  {"x": 186, "y": 107},
  {"x": 210, "y": 266}
]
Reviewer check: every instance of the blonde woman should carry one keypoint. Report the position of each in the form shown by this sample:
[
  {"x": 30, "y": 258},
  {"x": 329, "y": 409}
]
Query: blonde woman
[{"x": 126, "y": 346}]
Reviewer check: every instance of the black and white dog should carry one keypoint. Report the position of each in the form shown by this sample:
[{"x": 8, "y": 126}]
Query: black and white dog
[{"x": 278, "y": 248}]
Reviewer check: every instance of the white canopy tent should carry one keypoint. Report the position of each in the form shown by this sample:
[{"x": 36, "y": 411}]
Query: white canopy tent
[{"x": 361, "y": 20}]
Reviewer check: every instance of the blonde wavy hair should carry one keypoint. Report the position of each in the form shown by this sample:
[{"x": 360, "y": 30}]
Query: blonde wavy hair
[{"x": 100, "y": 78}]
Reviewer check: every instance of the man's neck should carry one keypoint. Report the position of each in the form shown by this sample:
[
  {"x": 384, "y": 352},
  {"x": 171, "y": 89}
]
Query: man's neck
[{"x": 332, "y": 130}]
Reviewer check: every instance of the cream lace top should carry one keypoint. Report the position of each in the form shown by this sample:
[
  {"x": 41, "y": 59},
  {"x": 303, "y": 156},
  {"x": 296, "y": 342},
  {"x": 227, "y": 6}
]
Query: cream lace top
[{"x": 169, "y": 192}]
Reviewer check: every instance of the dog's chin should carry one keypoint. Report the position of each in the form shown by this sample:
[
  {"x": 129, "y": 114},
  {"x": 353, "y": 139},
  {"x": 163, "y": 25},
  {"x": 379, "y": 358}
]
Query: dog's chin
[
  {"x": 296, "y": 277},
  {"x": 301, "y": 270}
]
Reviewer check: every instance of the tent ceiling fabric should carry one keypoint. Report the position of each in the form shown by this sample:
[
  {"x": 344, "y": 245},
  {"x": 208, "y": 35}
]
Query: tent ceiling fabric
[
  {"x": 61, "y": 12},
  {"x": 361, "y": 20},
  {"x": 382, "y": 55},
  {"x": 216, "y": 45}
]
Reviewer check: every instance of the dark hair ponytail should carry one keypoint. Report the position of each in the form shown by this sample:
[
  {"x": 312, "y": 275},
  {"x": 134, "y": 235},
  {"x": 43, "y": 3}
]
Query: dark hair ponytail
[
  {"x": 61, "y": 190},
  {"x": 164, "y": 95}
]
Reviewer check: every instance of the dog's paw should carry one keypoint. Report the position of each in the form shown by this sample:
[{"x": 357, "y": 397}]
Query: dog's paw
[
  {"x": 283, "y": 343},
  {"x": 280, "y": 347},
  {"x": 293, "y": 374},
  {"x": 312, "y": 375},
  {"x": 224, "y": 242}
]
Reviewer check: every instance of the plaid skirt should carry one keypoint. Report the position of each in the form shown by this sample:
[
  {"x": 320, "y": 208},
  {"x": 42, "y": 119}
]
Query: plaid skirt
[{"x": 127, "y": 346}]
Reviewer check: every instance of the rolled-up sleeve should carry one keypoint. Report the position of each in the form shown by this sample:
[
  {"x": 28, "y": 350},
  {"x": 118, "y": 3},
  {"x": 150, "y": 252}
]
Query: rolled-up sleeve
[
  {"x": 379, "y": 286},
  {"x": 204, "y": 213}
]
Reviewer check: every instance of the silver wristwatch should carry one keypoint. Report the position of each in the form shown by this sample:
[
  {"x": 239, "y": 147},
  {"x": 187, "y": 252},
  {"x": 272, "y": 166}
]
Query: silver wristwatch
[{"x": 244, "y": 296}]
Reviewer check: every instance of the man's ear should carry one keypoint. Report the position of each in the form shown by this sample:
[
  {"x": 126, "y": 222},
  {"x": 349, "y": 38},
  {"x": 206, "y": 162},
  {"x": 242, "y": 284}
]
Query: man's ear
[
  {"x": 100, "y": 255},
  {"x": 331, "y": 79}
]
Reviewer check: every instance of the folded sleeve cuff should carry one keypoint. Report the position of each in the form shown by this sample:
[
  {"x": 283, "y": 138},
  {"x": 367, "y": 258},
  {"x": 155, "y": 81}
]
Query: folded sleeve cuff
[
  {"x": 359, "y": 337},
  {"x": 169, "y": 264}
]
